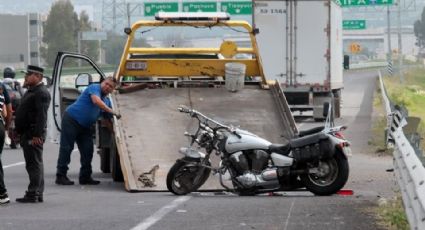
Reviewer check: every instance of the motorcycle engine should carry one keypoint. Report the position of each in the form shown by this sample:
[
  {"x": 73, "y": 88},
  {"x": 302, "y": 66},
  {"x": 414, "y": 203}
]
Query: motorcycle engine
[{"x": 251, "y": 168}]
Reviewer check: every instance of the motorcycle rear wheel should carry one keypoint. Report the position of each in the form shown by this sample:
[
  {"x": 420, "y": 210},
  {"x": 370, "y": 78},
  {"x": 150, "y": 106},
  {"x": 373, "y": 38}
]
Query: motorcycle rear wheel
[
  {"x": 332, "y": 176},
  {"x": 181, "y": 177}
]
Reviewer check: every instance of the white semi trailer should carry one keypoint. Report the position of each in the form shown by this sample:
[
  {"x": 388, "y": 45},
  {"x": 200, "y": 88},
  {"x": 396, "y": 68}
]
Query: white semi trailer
[{"x": 300, "y": 43}]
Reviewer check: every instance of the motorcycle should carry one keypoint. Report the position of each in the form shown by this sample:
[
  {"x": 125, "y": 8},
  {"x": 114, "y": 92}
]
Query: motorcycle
[{"x": 315, "y": 159}]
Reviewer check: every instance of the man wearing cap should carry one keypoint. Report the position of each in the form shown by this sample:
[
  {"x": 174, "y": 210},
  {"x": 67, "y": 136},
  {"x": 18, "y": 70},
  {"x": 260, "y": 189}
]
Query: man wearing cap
[{"x": 31, "y": 125}]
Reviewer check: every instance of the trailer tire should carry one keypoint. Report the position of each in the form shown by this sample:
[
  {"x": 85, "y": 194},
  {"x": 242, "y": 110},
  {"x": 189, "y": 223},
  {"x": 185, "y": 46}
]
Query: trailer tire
[
  {"x": 105, "y": 160},
  {"x": 337, "y": 103},
  {"x": 116, "y": 172}
]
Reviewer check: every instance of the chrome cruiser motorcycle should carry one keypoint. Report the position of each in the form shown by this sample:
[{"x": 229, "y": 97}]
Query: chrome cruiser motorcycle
[{"x": 316, "y": 159}]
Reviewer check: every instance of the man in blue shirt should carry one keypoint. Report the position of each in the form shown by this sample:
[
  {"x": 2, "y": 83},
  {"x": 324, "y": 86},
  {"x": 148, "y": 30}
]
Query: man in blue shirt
[{"x": 76, "y": 127}]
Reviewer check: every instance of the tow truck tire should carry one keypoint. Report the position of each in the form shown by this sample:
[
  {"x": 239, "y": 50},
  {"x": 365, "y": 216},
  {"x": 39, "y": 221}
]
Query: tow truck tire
[
  {"x": 105, "y": 160},
  {"x": 116, "y": 168},
  {"x": 337, "y": 103}
]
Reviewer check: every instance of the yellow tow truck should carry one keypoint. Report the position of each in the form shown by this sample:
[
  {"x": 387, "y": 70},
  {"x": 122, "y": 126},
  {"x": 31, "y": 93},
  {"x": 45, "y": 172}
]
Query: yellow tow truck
[{"x": 176, "y": 59}]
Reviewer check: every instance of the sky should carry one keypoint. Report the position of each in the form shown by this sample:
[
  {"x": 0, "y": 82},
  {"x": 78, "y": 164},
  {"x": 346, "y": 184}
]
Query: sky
[{"x": 376, "y": 16}]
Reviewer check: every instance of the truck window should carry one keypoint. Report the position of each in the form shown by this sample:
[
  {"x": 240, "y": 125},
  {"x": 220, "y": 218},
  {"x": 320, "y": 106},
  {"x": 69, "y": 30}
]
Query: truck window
[{"x": 74, "y": 66}]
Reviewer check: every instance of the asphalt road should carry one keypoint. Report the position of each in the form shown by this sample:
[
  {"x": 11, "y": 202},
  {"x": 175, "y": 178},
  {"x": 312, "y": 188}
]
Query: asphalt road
[{"x": 109, "y": 206}]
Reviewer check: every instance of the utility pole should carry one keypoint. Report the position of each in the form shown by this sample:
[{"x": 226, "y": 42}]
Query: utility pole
[
  {"x": 400, "y": 50},
  {"x": 128, "y": 16},
  {"x": 389, "y": 54},
  {"x": 79, "y": 46}
]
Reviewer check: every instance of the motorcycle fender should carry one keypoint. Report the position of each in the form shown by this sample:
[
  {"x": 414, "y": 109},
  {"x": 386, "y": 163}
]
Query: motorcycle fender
[
  {"x": 191, "y": 153},
  {"x": 344, "y": 152}
]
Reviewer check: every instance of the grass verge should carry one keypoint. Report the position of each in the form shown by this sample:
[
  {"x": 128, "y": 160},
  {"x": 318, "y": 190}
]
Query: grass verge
[
  {"x": 410, "y": 94},
  {"x": 392, "y": 214}
]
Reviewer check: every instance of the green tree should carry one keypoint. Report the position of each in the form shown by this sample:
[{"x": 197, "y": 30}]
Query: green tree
[
  {"x": 419, "y": 29},
  {"x": 89, "y": 48},
  {"x": 60, "y": 30}
]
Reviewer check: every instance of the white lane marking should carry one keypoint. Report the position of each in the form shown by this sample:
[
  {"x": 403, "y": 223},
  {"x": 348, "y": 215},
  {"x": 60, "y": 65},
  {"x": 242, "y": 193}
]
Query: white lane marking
[
  {"x": 289, "y": 215},
  {"x": 158, "y": 215},
  {"x": 12, "y": 165}
]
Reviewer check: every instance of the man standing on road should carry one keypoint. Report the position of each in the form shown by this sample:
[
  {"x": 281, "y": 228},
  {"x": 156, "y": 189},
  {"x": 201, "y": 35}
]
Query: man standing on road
[
  {"x": 31, "y": 125},
  {"x": 4, "y": 198},
  {"x": 76, "y": 127}
]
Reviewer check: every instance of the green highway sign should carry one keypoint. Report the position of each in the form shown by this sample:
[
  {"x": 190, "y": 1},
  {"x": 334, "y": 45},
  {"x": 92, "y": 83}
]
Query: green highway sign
[
  {"x": 199, "y": 7},
  {"x": 353, "y": 24},
  {"x": 152, "y": 8},
  {"x": 236, "y": 7},
  {"x": 348, "y": 3}
]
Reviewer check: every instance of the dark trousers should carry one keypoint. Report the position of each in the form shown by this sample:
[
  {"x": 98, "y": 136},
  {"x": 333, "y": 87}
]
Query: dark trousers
[
  {"x": 2, "y": 186},
  {"x": 33, "y": 163},
  {"x": 72, "y": 132}
]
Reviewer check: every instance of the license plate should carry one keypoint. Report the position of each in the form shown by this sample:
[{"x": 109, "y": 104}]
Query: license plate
[{"x": 136, "y": 65}]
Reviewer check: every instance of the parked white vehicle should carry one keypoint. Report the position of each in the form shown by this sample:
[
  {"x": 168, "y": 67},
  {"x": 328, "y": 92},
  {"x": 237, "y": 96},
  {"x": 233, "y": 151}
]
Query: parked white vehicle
[{"x": 300, "y": 43}]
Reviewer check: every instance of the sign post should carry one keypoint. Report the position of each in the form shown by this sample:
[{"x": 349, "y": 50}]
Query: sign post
[{"x": 92, "y": 36}]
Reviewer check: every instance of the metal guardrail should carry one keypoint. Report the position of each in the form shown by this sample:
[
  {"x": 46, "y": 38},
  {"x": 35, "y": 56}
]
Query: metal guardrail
[{"x": 408, "y": 167}]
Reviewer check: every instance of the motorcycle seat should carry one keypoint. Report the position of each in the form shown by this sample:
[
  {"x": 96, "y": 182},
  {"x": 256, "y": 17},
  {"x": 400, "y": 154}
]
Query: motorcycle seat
[
  {"x": 314, "y": 130},
  {"x": 307, "y": 140},
  {"x": 283, "y": 149}
]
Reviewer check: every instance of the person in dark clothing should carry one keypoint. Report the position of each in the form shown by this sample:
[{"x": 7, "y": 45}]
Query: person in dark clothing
[
  {"x": 76, "y": 127},
  {"x": 4, "y": 197},
  {"x": 6, "y": 118},
  {"x": 31, "y": 125},
  {"x": 8, "y": 72}
]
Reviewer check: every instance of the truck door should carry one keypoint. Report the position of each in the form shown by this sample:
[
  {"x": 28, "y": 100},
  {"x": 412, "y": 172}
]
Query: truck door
[{"x": 72, "y": 73}]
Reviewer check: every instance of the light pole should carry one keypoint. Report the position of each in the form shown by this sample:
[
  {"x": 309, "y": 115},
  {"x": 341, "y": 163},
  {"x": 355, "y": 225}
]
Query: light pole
[
  {"x": 389, "y": 54},
  {"x": 400, "y": 50}
]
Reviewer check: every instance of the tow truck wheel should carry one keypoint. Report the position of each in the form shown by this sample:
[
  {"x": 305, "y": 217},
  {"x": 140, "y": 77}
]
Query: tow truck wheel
[
  {"x": 105, "y": 160},
  {"x": 116, "y": 167}
]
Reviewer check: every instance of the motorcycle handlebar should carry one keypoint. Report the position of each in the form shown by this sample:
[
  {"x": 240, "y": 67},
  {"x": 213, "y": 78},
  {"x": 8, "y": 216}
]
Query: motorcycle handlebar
[
  {"x": 184, "y": 110},
  {"x": 197, "y": 114}
]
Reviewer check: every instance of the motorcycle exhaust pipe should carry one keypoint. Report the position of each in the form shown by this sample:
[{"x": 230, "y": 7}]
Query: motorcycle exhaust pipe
[{"x": 299, "y": 172}]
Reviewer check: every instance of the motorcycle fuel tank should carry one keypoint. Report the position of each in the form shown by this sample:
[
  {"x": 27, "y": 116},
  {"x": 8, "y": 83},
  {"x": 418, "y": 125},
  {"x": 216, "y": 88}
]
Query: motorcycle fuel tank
[{"x": 246, "y": 141}]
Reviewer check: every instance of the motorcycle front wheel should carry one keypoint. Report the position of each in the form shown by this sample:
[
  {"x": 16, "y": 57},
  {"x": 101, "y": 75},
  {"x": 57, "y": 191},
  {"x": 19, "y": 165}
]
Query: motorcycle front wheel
[
  {"x": 331, "y": 176},
  {"x": 186, "y": 177}
]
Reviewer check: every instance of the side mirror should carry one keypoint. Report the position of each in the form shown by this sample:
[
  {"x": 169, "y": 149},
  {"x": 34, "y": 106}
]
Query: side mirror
[
  {"x": 326, "y": 107},
  {"x": 83, "y": 79}
]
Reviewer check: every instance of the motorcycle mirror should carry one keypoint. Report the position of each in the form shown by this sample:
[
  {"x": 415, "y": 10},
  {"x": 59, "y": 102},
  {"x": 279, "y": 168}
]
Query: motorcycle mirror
[{"x": 183, "y": 109}]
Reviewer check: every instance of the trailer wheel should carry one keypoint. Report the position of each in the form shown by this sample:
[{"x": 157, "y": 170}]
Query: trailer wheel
[
  {"x": 105, "y": 160},
  {"x": 116, "y": 167},
  {"x": 337, "y": 103}
]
